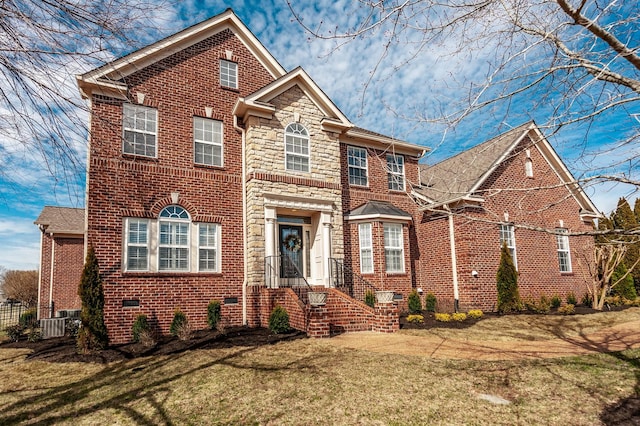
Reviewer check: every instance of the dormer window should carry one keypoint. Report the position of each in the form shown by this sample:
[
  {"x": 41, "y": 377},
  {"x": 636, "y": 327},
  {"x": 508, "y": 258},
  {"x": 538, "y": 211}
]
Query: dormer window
[
  {"x": 228, "y": 74},
  {"x": 296, "y": 141}
]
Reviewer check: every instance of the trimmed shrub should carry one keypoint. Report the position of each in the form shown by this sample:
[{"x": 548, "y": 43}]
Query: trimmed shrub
[
  {"x": 541, "y": 306},
  {"x": 624, "y": 288},
  {"x": 370, "y": 298},
  {"x": 587, "y": 300},
  {"x": 180, "y": 325},
  {"x": 567, "y": 309},
  {"x": 555, "y": 301},
  {"x": 279, "y": 320},
  {"x": 415, "y": 319},
  {"x": 34, "y": 335},
  {"x": 14, "y": 332},
  {"x": 430, "y": 302},
  {"x": 28, "y": 318},
  {"x": 414, "y": 302},
  {"x": 214, "y": 312},
  {"x": 571, "y": 299},
  {"x": 140, "y": 325},
  {"x": 443, "y": 317},
  {"x": 72, "y": 327},
  {"x": 507, "y": 283},
  {"x": 459, "y": 316},
  {"x": 475, "y": 314},
  {"x": 615, "y": 300},
  {"x": 93, "y": 333}
]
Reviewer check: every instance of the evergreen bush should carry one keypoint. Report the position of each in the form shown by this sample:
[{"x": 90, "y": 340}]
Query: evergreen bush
[
  {"x": 180, "y": 325},
  {"x": 279, "y": 320},
  {"x": 555, "y": 301},
  {"x": 140, "y": 326},
  {"x": 507, "y": 282},
  {"x": 370, "y": 298},
  {"x": 214, "y": 312},
  {"x": 414, "y": 302},
  {"x": 430, "y": 302},
  {"x": 92, "y": 335},
  {"x": 571, "y": 299},
  {"x": 624, "y": 288},
  {"x": 587, "y": 300}
]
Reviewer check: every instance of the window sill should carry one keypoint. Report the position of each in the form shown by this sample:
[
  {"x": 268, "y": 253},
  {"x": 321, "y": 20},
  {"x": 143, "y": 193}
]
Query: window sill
[
  {"x": 360, "y": 187},
  {"x": 397, "y": 191},
  {"x": 230, "y": 89},
  {"x": 567, "y": 274},
  {"x": 396, "y": 274},
  {"x": 209, "y": 167},
  {"x": 163, "y": 274},
  {"x": 127, "y": 156}
]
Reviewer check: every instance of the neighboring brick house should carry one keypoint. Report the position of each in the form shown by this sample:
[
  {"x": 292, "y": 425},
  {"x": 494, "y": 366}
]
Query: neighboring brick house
[
  {"x": 215, "y": 174},
  {"x": 515, "y": 189},
  {"x": 61, "y": 259}
]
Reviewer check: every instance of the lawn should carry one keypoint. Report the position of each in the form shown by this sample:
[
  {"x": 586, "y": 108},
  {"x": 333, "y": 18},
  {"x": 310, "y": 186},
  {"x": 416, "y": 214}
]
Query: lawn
[{"x": 314, "y": 382}]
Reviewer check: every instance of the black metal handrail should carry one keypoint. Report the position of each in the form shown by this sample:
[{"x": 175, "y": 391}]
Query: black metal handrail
[
  {"x": 281, "y": 271},
  {"x": 344, "y": 279}
]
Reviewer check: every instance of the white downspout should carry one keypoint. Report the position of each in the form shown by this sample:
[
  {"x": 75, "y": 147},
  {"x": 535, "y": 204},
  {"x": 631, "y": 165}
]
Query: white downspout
[
  {"x": 53, "y": 262},
  {"x": 244, "y": 220},
  {"x": 40, "y": 271},
  {"x": 454, "y": 263}
]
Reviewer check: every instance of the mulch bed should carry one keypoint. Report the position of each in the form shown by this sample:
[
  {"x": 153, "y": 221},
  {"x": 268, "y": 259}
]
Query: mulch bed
[
  {"x": 430, "y": 319},
  {"x": 63, "y": 349}
]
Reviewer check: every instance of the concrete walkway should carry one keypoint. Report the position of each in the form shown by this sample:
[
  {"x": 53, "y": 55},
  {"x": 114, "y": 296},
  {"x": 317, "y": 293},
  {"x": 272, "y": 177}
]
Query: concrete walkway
[{"x": 616, "y": 338}]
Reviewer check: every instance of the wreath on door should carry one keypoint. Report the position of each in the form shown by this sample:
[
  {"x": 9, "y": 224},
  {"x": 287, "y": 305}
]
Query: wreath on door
[{"x": 293, "y": 242}]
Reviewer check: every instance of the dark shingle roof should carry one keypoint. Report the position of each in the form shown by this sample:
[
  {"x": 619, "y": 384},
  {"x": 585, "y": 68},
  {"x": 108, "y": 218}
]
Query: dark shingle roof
[
  {"x": 456, "y": 176},
  {"x": 61, "y": 220},
  {"x": 381, "y": 208}
]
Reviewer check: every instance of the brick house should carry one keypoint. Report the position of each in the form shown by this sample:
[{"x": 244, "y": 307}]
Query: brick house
[
  {"x": 214, "y": 173},
  {"x": 515, "y": 189},
  {"x": 61, "y": 259}
]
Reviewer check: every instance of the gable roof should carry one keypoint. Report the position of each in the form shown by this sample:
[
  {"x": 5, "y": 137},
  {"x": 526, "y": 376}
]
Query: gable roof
[
  {"x": 257, "y": 103},
  {"x": 458, "y": 177},
  {"x": 378, "y": 210},
  {"x": 105, "y": 79},
  {"x": 61, "y": 220}
]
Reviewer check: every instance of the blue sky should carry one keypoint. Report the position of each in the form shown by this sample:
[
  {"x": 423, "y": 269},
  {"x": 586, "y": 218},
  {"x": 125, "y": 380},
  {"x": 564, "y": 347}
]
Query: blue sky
[{"x": 388, "y": 103}]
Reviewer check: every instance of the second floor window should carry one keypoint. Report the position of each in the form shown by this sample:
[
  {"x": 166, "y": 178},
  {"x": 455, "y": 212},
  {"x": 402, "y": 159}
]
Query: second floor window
[
  {"x": 395, "y": 172},
  {"x": 507, "y": 235},
  {"x": 140, "y": 130},
  {"x": 207, "y": 140},
  {"x": 296, "y": 141},
  {"x": 357, "y": 159},
  {"x": 228, "y": 74}
]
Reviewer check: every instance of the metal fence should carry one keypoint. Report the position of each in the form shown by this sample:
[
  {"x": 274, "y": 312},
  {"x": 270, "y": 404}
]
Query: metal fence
[{"x": 10, "y": 314}]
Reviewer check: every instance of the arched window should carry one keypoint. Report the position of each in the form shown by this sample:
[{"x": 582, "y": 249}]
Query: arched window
[
  {"x": 173, "y": 242},
  {"x": 296, "y": 141}
]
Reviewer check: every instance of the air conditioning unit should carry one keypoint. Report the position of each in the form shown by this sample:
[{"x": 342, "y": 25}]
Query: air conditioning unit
[
  {"x": 52, "y": 327},
  {"x": 62, "y": 314},
  {"x": 69, "y": 313}
]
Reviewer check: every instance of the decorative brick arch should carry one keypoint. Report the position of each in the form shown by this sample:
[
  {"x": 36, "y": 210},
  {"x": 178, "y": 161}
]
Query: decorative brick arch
[{"x": 167, "y": 201}]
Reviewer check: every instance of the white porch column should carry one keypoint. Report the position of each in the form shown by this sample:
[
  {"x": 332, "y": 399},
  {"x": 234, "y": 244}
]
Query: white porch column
[
  {"x": 325, "y": 219},
  {"x": 269, "y": 231}
]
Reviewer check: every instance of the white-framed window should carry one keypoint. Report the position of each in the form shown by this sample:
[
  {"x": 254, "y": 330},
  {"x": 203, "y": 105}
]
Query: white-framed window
[
  {"x": 137, "y": 244},
  {"x": 208, "y": 247},
  {"x": 228, "y": 74},
  {"x": 357, "y": 159},
  {"x": 395, "y": 172},
  {"x": 296, "y": 141},
  {"x": 507, "y": 235},
  {"x": 393, "y": 247},
  {"x": 366, "y": 248},
  {"x": 207, "y": 141},
  {"x": 140, "y": 130},
  {"x": 173, "y": 241},
  {"x": 564, "y": 254}
]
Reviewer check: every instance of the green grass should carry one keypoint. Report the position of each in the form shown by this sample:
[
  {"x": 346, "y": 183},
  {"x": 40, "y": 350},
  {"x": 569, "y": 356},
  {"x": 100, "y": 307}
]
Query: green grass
[{"x": 312, "y": 382}]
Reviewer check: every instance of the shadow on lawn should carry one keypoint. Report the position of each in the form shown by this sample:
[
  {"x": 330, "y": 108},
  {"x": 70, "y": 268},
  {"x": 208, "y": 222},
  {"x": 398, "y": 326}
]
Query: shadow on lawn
[{"x": 153, "y": 373}]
